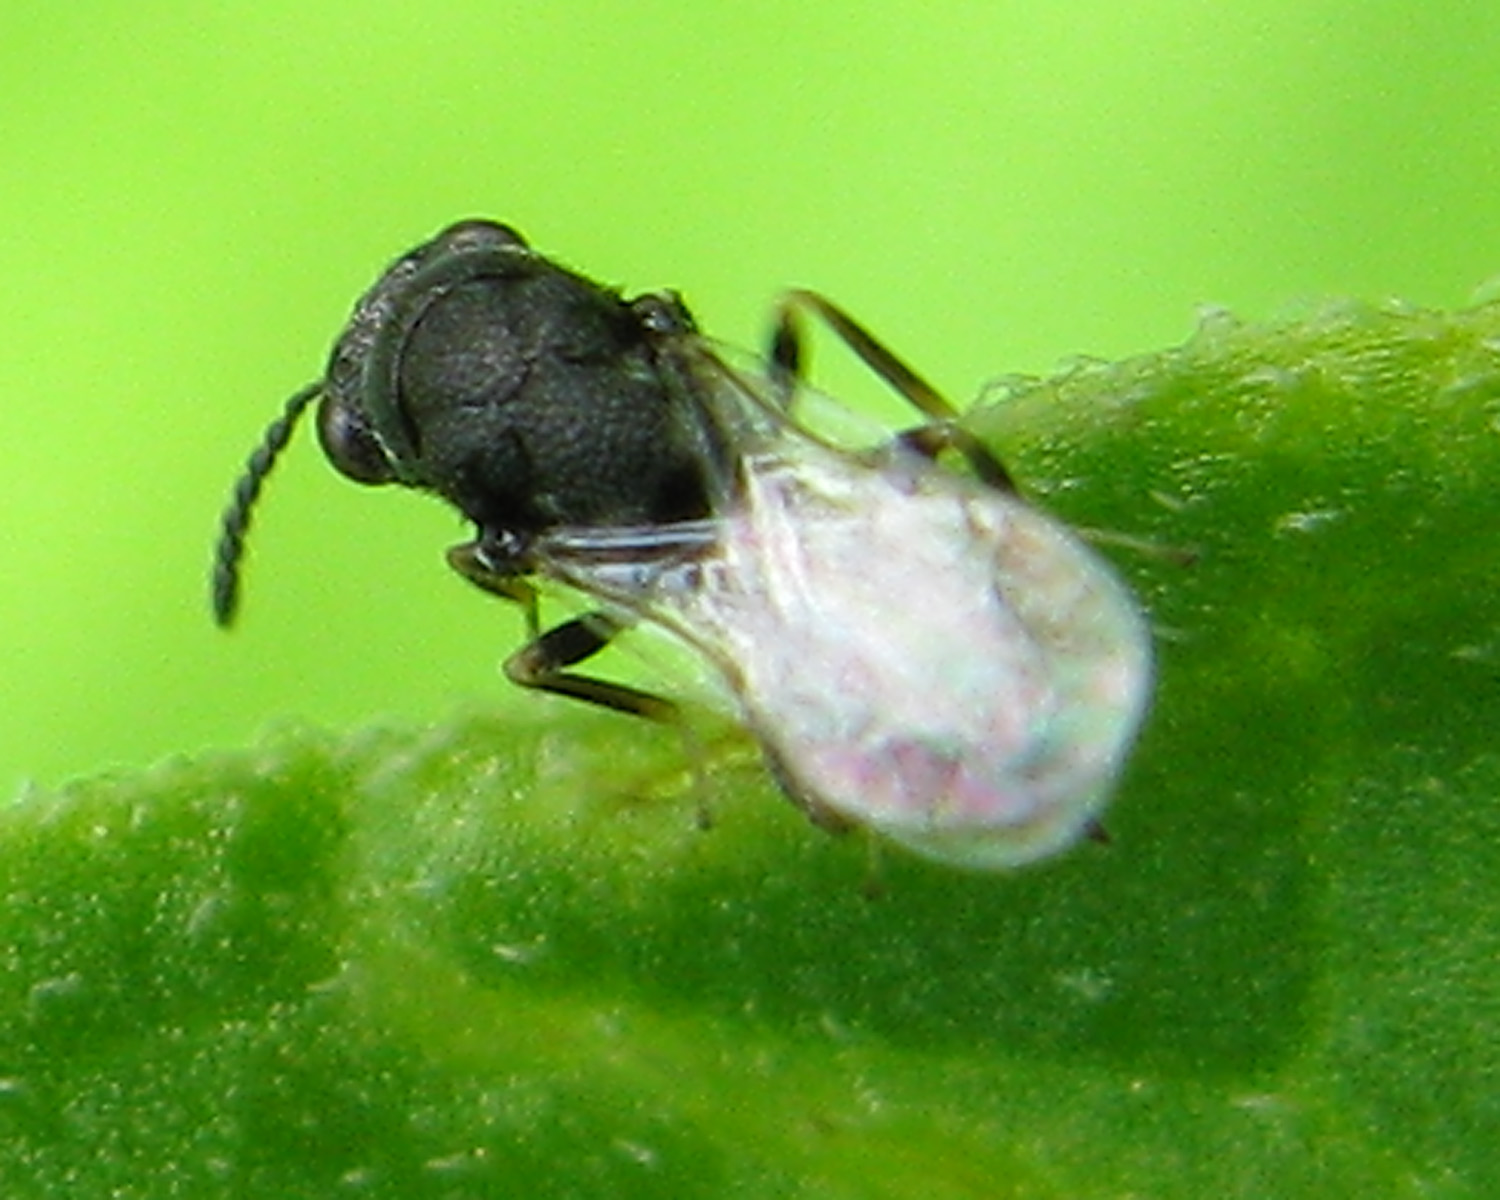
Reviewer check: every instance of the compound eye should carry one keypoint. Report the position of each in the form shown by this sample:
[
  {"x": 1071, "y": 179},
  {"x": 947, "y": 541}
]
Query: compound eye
[{"x": 350, "y": 443}]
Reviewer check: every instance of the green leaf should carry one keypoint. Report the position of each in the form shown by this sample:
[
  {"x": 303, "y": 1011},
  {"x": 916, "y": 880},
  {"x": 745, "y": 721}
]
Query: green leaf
[{"x": 500, "y": 958}]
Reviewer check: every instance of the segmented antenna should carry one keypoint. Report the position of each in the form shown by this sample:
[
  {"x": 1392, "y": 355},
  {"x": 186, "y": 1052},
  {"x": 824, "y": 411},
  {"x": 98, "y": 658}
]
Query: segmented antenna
[{"x": 236, "y": 524}]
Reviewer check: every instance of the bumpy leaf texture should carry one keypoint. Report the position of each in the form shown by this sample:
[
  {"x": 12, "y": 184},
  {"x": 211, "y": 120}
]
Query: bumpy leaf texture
[{"x": 500, "y": 958}]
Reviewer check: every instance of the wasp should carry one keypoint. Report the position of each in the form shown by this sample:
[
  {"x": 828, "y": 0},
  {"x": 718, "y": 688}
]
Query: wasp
[{"x": 917, "y": 649}]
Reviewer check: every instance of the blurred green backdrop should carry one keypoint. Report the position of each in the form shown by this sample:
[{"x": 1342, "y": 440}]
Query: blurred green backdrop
[{"x": 194, "y": 194}]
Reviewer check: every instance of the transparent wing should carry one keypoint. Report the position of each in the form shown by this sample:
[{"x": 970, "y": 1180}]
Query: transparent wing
[{"x": 916, "y": 653}]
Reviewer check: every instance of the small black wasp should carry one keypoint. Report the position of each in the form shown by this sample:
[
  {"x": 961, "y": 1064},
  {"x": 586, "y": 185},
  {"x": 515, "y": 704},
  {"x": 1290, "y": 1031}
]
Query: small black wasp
[{"x": 917, "y": 650}]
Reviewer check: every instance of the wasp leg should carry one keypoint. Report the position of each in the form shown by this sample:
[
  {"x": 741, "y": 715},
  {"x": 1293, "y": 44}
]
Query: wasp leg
[
  {"x": 786, "y": 351},
  {"x": 942, "y": 432},
  {"x": 540, "y": 664},
  {"x": 508, "y": 587},
  {"x": 542, "y": 661},
  {"x": 932, "y": 439}
]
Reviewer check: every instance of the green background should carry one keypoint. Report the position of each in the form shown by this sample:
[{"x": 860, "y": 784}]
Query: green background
[
  {"x": 466, "y": 956},
  {"x": 195, "y": 193}
]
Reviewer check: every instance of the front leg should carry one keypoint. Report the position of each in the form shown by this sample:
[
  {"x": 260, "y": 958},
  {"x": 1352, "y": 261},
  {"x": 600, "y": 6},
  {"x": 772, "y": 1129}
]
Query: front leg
[
  {"x": 471, "y": 561},
  {"x": 542, "y": 662}
]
